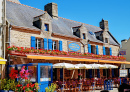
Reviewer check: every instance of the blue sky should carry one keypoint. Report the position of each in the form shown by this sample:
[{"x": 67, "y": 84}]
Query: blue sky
[{"x": 117, "y": 12}]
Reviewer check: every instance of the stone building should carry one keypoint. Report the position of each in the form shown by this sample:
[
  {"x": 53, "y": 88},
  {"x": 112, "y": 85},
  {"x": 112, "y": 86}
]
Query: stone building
[
  {"x": 2, "y": 36},
  {"x": 34, "y": 28},
  {"x": 125, "y": 51}
]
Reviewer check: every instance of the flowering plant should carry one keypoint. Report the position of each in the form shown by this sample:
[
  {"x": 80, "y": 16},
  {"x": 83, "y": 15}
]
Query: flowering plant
[
  {"x": 26, "y": 85},
  {"x": 57, "y": 52}
]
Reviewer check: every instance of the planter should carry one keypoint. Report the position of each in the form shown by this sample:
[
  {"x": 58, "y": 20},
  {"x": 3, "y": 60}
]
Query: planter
[
  {"x": 4, "y": 91},
  {"x": 10, "y": 91}
]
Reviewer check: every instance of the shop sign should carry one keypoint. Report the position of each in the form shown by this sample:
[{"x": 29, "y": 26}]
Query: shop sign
[
  {"x": 123, "y": 73},
  {"x": 122, "y": 53},
  {"x": 74, "y": 46}
]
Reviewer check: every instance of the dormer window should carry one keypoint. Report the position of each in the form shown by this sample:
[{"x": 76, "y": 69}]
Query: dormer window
[
  {"x": 46, "y": 27},
  {"x": 106, "y": 40},
  {"x": 84, "y": 37}
]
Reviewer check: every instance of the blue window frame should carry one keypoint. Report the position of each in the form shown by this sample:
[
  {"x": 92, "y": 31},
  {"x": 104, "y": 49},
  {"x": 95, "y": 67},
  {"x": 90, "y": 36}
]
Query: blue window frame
[{"x": 46, "y": 27}]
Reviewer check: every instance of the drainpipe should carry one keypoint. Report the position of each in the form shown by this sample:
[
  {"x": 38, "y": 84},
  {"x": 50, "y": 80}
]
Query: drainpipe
[
  {"x": 4, "y": 27},
  {"x": 9, "y": 42}
]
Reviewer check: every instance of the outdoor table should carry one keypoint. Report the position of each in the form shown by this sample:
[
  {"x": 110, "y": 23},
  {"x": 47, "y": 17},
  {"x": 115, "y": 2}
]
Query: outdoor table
[{"x": 108, "y": 85}]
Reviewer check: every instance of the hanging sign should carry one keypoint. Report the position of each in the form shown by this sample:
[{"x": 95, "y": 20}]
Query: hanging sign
[
  {"x": 122, "y": 53},
  {"x": 74, "y": 46}
]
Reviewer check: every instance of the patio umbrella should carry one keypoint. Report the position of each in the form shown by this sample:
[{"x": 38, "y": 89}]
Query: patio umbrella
[
  {"x": 84, "y": 66},
  {"x": 109, "y": 66},
  {"x": 65, "y": 66},
  {"x": 96, "y": 66}
]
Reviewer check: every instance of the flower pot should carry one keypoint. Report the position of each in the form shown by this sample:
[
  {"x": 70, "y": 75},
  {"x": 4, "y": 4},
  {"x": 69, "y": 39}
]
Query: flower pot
[
  {"x": 10, "y": 91},
  {"x": 3, "y": 90}
]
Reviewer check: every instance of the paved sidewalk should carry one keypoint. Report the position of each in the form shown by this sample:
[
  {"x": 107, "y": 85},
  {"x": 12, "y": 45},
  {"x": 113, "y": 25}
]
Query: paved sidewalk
[{"x": 114, "y": 90}]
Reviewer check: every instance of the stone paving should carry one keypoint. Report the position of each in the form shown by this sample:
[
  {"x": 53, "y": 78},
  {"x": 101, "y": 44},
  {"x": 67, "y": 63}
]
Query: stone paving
[{"x": 114, "y": 90}]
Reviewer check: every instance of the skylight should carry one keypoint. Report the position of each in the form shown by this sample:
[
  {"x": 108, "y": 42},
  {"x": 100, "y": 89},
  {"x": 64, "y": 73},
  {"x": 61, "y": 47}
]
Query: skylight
[{"x": 91, "y": 33}]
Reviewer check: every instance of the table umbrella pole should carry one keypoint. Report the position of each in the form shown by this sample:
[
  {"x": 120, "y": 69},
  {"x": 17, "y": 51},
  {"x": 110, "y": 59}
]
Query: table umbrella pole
[{"x": 63, "y": 79}]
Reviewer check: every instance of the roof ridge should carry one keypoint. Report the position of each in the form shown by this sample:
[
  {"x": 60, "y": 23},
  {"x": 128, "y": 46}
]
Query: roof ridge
[
  {"x": 26, "y": 6},
  {"x": 78, "y": 22}
]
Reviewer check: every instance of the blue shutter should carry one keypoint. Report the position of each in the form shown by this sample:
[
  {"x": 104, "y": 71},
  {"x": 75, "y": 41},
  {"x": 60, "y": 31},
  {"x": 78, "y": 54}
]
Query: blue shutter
[
  {"x": 110, "y": 51},
  {"x": 98, "y": 73},
  {"x": 89, "y": 48},
  {"x": 45, "y": 43},
  {"x": 33, "y": 40},
  {"x": 50, "y": 44},
  {"x": 90, "y": 73},
  {"x": 97, "y": 52},
  {"x": 104, "y": 52},
  {"x": 60, "y": 45}
]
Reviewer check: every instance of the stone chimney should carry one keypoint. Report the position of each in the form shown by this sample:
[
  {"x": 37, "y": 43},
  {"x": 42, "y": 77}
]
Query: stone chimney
[
  {"x": 16, "y": 1},
  {"x": 123, "y": 42},
  {"x": 104, "y": 25},
  {"x": 52, "y": 10}
]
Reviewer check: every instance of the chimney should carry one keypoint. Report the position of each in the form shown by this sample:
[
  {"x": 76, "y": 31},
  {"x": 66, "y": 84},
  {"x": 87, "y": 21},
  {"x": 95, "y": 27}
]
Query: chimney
[
  {"x": 52, "y": 10},
  {"x": 104, "y": 25},
  {"x": 123, "y": 42}
]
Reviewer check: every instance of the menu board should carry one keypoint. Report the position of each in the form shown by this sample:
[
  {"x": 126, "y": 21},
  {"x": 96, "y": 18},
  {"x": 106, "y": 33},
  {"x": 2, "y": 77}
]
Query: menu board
[{"x": 123, "y": 73}]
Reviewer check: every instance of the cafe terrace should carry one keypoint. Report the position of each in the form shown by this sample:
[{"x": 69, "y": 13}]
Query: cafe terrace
[{"x": 38, "y": 38}]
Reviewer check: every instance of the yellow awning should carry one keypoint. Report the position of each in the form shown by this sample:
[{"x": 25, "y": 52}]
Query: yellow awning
[
  {"x": 115, "y": 62},
  {"x": 75, "y": 59},
  {"x": 2, "y": 60},
  {"x": 60, "y": 58}
]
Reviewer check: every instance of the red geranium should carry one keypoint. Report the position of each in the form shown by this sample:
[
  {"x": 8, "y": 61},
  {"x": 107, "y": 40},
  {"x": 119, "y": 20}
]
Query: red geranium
[{"x": 13, "y": 74}]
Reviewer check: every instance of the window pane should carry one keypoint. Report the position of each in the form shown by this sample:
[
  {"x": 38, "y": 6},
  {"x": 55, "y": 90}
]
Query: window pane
[
  {"x": 46, "y": 27},
  {"x": 33, "y": 73},
  {"x": 45, "y": 73}
]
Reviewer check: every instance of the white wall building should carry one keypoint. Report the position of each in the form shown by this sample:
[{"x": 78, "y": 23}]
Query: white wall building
[{"x": 1, "y": 15}]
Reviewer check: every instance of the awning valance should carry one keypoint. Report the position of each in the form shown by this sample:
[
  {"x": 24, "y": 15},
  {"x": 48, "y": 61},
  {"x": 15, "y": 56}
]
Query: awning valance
[
  {"x": 2, "y": 60},
  {"x": 76, "y": 59},
  {"x": 60, "y": 58}
]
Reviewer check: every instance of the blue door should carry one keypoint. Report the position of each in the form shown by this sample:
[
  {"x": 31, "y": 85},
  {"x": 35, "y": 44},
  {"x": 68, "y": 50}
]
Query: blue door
[{"x": 45, "y": 75}]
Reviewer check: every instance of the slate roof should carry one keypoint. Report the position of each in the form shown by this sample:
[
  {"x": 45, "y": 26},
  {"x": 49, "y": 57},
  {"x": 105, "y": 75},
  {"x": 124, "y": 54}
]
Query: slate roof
[{"x": 22, "y": 15}]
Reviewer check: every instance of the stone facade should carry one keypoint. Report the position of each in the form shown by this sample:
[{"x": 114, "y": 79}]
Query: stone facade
[{"x": 23, "y": 39}]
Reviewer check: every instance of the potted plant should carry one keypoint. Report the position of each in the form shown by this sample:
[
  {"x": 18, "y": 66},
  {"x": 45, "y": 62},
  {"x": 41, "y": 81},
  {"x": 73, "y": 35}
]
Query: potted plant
[
  {"x": 51, "y": 88},
  {"x": 4, "y": 85}
]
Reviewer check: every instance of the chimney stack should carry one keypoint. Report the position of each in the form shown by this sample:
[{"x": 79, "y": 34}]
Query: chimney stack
[
  {"x": 52, "y": 10},
  {"x": 104, "y": 25}
]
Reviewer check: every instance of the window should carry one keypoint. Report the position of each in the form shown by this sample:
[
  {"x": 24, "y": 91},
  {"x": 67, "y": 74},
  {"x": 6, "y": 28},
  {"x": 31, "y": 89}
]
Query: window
[
  {"x": 38, "y": 43},
  {"x": 84, "y": 37},
  {"x": 46, "y": 27},
  {"x": 106, "y": 40},
  {"x": 93, "y": 49},
  {"x": 107, "y": 51},
  {"x": 91, "y": 33},
  {"x": 54, "y": 45}
]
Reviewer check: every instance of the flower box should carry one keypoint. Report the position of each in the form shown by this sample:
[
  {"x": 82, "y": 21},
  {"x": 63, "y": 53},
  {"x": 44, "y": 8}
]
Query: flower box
[{"x": 21, "y": 51}]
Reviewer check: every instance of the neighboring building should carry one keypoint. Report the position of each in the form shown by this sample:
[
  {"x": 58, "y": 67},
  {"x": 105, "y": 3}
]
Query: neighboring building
[
  {"x": 1, "y": 15},
  {"x": 31, "y": 27},
  {"x": 2, "y": 35},
  {"x": 125, "y": 51}
]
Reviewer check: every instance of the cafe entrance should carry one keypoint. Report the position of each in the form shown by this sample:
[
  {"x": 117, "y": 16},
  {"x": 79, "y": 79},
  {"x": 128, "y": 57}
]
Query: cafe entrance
[{"x": 42, "y": 73}]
